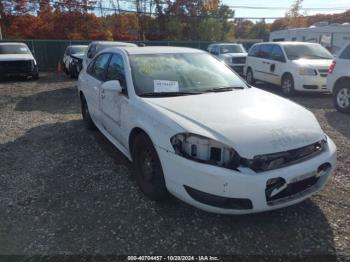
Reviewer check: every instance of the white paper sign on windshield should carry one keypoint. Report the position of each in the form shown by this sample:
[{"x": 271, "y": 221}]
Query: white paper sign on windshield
[{"x": 165, "y": 86}]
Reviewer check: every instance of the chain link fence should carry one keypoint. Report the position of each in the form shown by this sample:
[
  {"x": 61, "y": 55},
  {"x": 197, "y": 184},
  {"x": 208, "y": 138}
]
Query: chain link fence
[{"x": 49, "y": 53}]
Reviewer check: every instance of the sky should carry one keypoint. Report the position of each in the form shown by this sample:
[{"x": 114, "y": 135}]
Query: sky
[{"x": 328, "y": 5}]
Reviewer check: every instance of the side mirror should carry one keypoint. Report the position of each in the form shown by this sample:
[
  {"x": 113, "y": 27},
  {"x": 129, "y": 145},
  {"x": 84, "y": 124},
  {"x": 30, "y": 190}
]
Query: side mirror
[{"x": 112, "y": 85}]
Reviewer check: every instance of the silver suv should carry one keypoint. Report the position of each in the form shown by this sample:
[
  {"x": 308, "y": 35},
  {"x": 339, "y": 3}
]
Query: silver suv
[
  {"x": 338, "y": 81},
  {"x": 233, "y": 54}
]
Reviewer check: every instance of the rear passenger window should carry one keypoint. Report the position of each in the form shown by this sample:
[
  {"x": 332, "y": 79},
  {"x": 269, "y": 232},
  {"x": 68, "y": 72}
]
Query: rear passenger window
[
  {"x": 346, "y": 53},
  {"x": 98, "y": 68},
  {"x": 265, "y": 51}
]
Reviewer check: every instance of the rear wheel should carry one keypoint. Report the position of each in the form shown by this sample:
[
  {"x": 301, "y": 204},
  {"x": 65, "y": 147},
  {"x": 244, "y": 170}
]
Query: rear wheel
[
  {"x": 149, "y": 172},
  {"x": 89, "y": 124},
  {"x": 288, "y": 85},
  {"x": 250, "y": 77},
  {"x": 341, "y": 97}
]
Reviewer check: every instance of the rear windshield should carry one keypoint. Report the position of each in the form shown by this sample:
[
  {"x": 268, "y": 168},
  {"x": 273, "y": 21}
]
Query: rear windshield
[
  {"x": 309, "y": 51},
  {"x": 14, "y": 49}
]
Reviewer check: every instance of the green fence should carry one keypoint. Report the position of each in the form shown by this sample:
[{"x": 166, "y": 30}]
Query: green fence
[{"x": 48, "y": 53}]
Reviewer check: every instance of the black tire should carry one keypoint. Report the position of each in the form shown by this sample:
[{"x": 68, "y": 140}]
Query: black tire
[
  {"x": 341, "y": 97},
  {"x": 250, "y": 77},
  {"x": 35, "y": 77},
  {"x": 73, "y": 72},
  {"x": 149, "y": 172},
  {"x": 89, "y": 124},
  {"x": 287, "y": 85}
]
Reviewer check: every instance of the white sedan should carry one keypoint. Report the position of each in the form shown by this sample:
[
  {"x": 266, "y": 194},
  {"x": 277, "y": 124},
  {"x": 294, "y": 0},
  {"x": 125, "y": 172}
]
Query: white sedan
[{"x": 194, "y": 129}]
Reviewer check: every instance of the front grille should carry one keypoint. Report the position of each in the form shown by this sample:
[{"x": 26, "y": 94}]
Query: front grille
[
  {"x": 238, "y": 69},
  {"x": 267, "y": 162},
  {"x": 323, "y": 72},
  {"x": 12, "y": 67},
  {"x": 238, "y": 60}
]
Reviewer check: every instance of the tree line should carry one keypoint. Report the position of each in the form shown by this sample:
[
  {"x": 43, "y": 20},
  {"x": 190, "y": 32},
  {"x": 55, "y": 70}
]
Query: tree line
[{"x": 207, "y": 20}]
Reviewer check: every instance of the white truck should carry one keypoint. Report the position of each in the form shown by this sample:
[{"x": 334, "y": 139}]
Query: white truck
[{"x": 331, "y": 36}]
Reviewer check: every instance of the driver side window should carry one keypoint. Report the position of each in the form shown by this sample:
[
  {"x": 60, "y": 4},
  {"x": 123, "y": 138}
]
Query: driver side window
[
  {"x": 97, "y": 68},
  {"x": 116, "y": 70}
]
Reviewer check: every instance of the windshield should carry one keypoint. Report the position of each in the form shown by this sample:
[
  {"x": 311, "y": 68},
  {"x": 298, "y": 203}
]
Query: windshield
[
  {"x": 78, "y": 49},
  {"x": 225, "y": 49},
  {"x": 187, "y": 73},
  {"x": 14, "y": 49},
  {"x": 309, "y": 51}
]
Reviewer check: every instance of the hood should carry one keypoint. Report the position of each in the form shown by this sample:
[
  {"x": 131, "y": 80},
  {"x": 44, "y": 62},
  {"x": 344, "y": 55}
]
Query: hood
[
  {"x": 228, "y": 55},
  {"x": 16, "y": 57},
  {"x": 252, "y": 121},
  {"x": 78, "y": 55},
  {"x": 314, "y": 63}
]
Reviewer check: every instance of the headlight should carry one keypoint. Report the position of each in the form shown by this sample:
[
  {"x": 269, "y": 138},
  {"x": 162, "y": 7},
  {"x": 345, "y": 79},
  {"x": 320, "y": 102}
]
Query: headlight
[
  {"x": 305, "y": 71},
  {"x": 205, "y": 150}
]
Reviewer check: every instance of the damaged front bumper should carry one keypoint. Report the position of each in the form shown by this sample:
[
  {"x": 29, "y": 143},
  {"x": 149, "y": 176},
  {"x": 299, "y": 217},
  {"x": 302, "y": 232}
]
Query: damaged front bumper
[{"x": 242, "y": 191}]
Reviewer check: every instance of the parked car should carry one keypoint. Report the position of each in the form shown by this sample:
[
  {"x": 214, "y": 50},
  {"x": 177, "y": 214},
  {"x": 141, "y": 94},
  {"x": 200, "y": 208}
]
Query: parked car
[
  {"x": 72, "y": 59},
  {"x": 295, "y": 66},
  {"x": 17, "y": 60},
  {"x": 97, "y": 46},
  {"x": 189, "y": 125},
  {"x": 234, "y": 55},
  {"x": 338, "y": 80}
]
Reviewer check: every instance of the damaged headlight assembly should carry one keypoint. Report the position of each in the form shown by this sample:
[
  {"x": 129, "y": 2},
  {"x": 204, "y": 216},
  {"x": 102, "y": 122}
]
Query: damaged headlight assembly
[{"x": 205, "y": 150}]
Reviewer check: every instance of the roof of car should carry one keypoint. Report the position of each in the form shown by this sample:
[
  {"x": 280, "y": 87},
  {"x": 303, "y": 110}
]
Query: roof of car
[
  {"x": 160, "y": 50},
  {"x": 12, "y": 43},
  {"x": 288, "y": 43},
  {"x": 77, "y": 46},
  {"x": 113, "y": 42},
  {"x": 224, "y": 44}
]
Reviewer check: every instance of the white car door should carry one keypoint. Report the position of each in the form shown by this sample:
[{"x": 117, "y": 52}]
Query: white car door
[
  {"x": 113, "y": 103},
  {"x": 263, "y": 66},
  {"x": 94, "y": 78},
  {"x": 277, "y": 63}
]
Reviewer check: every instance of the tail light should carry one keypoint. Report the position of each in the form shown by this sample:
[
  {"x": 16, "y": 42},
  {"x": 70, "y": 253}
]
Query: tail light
[{"x": 332, "y": 67}]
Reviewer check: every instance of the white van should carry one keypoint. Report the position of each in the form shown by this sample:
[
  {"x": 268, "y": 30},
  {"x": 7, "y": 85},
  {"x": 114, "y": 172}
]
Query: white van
[{"x": 295, "y": 66}]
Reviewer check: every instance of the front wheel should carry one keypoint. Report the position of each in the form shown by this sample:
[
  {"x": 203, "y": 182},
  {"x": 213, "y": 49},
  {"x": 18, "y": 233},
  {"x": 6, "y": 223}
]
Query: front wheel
[
  {"x": 341, "y": 98},
  {"x": 250, "y": 77},
  {"x": 89, "y": 124},
  {"x": 288, "y": 85},
  {"x": 149, "y": 172}
]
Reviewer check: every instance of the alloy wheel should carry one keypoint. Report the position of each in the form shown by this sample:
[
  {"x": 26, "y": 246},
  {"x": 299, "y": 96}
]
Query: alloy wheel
[{"x": 343, "y": 97}]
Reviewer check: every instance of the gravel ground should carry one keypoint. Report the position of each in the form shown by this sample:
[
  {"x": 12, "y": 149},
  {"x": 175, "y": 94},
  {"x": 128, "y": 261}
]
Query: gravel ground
[{"x": 66, "y": 190}]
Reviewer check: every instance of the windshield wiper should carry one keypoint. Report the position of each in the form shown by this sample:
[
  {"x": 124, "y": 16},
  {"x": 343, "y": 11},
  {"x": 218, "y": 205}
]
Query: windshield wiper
[
  {"x": 224, "y": 89},
  {"x": 165, "y": 94}
]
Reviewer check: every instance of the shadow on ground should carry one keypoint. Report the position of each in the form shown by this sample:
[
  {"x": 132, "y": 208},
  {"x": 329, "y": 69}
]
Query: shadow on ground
[
  {"x": 65, "y": 190},
  {"x": 339, "y": 122},
  {"x": 58, "y": 101}
]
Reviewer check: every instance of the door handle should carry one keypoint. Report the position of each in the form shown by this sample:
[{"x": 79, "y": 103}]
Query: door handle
[
  {"x": 103, "y": 96},
  {"x": 272, "y": 67},
  {"x": 102, "y": 91}
]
